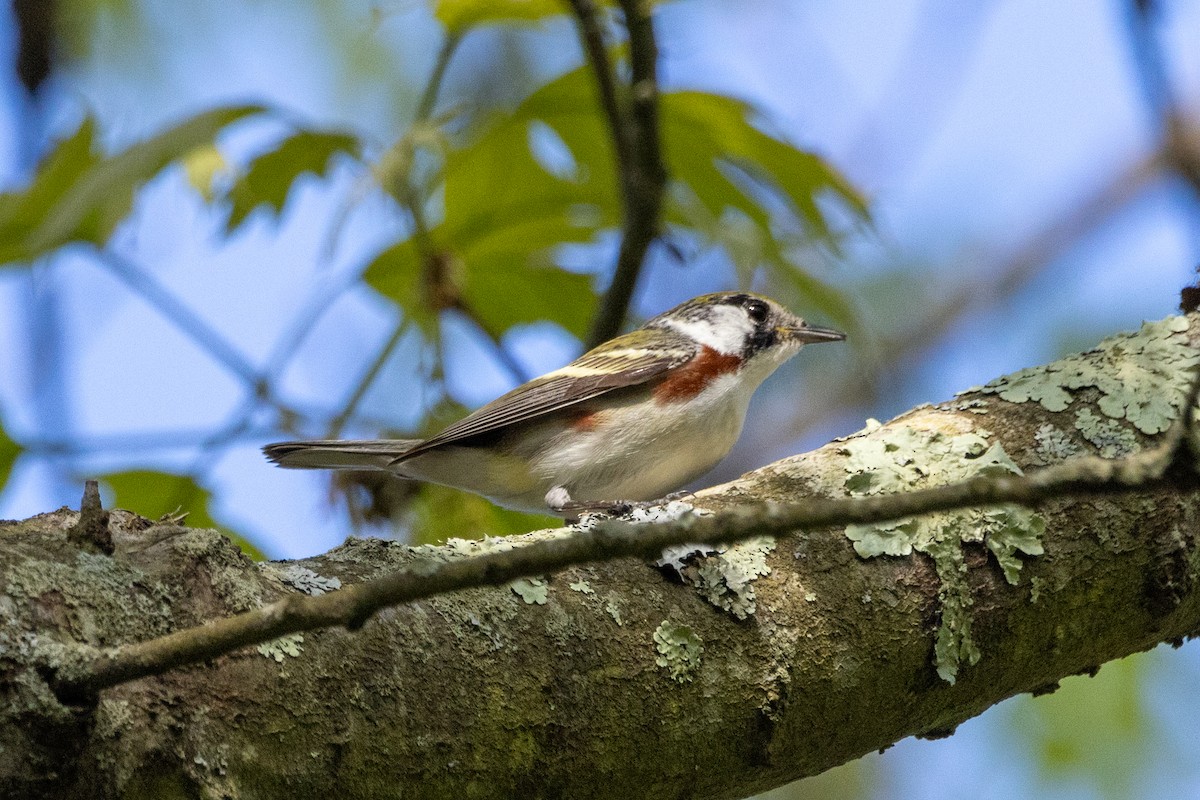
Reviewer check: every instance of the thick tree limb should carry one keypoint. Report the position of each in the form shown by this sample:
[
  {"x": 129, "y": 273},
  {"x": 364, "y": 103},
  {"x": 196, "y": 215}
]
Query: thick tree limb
[
  {"x": 607, "y": 680},
  {"x": 607, "y": 540}
]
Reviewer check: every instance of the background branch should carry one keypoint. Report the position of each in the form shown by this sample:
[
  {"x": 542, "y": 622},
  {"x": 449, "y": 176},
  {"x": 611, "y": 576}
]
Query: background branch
[
  {"x": 1007, "y": 274},
  {"x": 633, "y": 122}
]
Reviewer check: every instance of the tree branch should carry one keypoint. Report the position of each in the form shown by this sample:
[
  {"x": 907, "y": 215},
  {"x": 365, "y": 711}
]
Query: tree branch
[
  {"x": 634, "y": 128},
  {"x": 610, "y": 539},
  {"x": 714, "y": 681}
]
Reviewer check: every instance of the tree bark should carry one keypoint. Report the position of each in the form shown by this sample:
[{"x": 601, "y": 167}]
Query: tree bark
[{"x": 720, "y": 677}]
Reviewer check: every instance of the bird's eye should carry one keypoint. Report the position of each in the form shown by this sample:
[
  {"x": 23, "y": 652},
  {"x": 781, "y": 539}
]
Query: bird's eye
[{"x": 757, "y": 310}]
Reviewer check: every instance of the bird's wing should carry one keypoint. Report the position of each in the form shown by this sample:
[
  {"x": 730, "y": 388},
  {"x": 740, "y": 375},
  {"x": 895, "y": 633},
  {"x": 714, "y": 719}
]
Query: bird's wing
[{"x": 628, "y": 360}]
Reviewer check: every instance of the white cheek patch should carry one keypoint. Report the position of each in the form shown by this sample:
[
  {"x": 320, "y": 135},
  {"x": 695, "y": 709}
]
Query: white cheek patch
[{"x": 725, "y": 330}]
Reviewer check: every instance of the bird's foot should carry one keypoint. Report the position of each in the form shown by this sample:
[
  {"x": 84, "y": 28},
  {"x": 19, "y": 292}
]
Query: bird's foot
[{"x": 560, "y": 502}]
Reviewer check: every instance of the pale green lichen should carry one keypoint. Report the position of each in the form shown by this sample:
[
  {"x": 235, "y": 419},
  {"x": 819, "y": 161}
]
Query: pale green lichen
[
  {"x": 723, "y": 574},
  {"x": 1141, "y": 377},
  {"x": 1111, "y": 438},
  {"x": 954, "y": 643},
  {"x": 679, "y": 650},
  {"x": 1010, "y": 533},
  {"x": 1053, "y": 444},
  {"x": 583, "y": 587},
  {"x": 532, "y": 590},
  {"x": 726, "y": 577},
  {"x": 974, "y": 406},
  {"x": 614, "y": 611},
  {"x": 305, "y": 579},
  {"x": 279, "y": 649},
  {"x": 902, "y": 458},
  {"x": 671, "y": 511}
]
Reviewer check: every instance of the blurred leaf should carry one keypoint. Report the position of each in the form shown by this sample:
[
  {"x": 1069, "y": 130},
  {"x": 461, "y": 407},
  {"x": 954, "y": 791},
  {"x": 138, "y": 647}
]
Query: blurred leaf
[
  {"x": 79, "y": 29},
  {"x": 203, "y": 165},
  {"x": 833, "y": 304},
  {"x": 77, "y": 195},
  {"x": 438, "y": 513},
  {"x": 459, "y": 15},
  {"x": 544, "y": 176},
  {"x": 102, "y": 195},
  {"x": 1092, "y": 731},
  {"x": 156, "y": 494},
  {"x": 20, "y": 212},
  {"x": 270, "y": 177},
  {"x": 500, "y": 296},
  {"x": 396, "y": 273},
  {"x": 496, "y": 181},
  {"x": 726, "y": 173},
  {"x": 498, "y": 293},
  {"x": 705, "y": 135},
  {"x": 505, "y": 212},
  {"x": 9, "y": 450}
]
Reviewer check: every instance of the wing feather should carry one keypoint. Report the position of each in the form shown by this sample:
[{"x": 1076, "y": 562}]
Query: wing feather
[{"x": 593, "y": 374}]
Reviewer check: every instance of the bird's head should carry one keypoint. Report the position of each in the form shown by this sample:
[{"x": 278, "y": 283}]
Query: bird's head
[{"x": 744, "y": 325}]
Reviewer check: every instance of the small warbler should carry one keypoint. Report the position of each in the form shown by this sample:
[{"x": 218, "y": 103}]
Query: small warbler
[{"x": 631, "y": 420}]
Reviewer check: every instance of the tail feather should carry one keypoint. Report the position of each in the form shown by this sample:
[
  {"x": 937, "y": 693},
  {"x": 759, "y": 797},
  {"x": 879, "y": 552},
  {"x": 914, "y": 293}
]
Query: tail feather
[{"x": 338, "y": 453}]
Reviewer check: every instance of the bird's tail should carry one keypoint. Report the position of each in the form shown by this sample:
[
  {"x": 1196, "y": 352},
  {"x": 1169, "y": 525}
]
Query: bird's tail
[{"x": 338, "y": 453}]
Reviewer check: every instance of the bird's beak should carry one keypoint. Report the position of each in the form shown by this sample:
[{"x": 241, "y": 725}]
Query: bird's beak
[{"x": 808, "y": 334}]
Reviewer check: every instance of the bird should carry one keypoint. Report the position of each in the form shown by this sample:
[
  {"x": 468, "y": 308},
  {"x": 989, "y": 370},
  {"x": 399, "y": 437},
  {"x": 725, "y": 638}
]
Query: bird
[{"x": 630, "y": 421}]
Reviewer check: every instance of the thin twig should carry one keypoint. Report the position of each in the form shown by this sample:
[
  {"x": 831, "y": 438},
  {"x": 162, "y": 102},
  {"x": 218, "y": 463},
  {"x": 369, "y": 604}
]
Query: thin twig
[
  {"x": 170, "y": 307},
  {"x": 426, "y": 247},
  {"x": 126, "y": 442},
  {"x": 305, "y": 322},
  {"x": 1153, "y": 73},
  {"x": 591, "y": 35},
  {"x": 352, "y": 606},
  {"x": 506, "y": 359},
  {"x": 635, "y": 134},
  {"x": 433, "y": 87},
  {"x": 367, "y": 380}
]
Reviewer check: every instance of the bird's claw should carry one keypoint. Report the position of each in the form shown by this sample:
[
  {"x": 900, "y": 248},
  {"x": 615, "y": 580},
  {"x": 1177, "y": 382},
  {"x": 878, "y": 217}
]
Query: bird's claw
[{"x": 560, "y": 502}]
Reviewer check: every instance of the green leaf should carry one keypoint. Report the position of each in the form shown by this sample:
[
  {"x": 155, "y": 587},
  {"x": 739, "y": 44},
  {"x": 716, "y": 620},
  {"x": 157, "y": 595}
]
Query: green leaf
[
  {"x": 1097, "y": 732},
  {"x": 21, "y": 212},
  {"x": 726, "y": 171},
  {"x": 505, "y": 212},
  {"x": 460, "y": 15},
  {"x": 101, "y": 195},
  {"x": 500, "y": 297},
  {"x": 269, "y": 178},
  {"x": 203, "y": 166},
  {"x": 396, "y": 273},
  {"x": 438, "y": 512},
  {"x": 504, "y": 286},
  {"x": 157, "y": 494},
  {"x": 831, "y": 303},
  {"x": 709, "y": 138},
  {"x": 9, "y": 451},
  {"x": 496, "y": 181}
]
